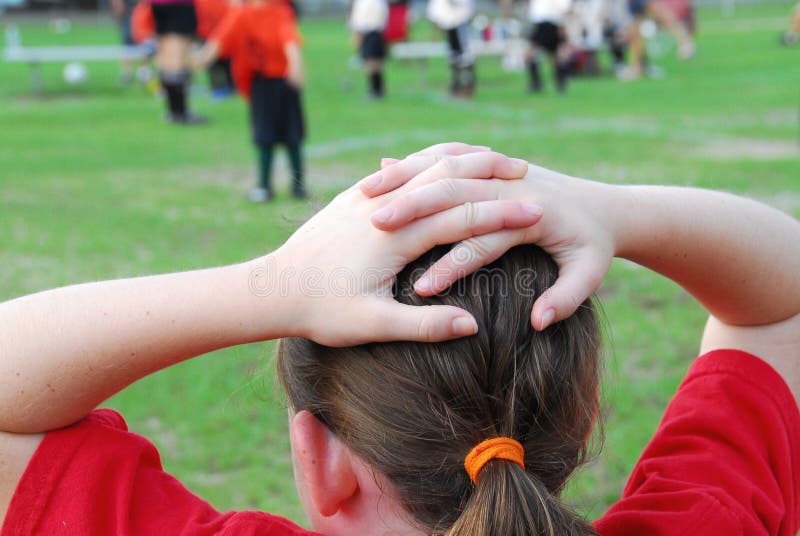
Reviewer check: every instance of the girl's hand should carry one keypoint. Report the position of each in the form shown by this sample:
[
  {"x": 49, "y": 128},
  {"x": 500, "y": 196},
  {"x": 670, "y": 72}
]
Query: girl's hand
[
  {"x": 337, "y": 270},
  {"x": 579, "y": 227}
]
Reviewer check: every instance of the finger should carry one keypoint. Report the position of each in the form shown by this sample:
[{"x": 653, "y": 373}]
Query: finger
[
  {"x": 577, "y": 280},
  {"x": 484, "y": 165},
  {"x": 390, "y": 178},
  {"x": 374, "y": 184},
  {"x": 451, "y": 148},
  {"x": 425, "y": 168},
  {"x": 463, "y": 222},
  {"x": 465, "y": 258},
  {"x": 430, "y": 199},
  {"x": 392, "y": 321}
]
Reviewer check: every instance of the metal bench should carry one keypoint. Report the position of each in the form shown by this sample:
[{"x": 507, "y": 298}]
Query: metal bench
[
  {"x": 421, "y": 51},
  {"x": 14, "y": 52}
]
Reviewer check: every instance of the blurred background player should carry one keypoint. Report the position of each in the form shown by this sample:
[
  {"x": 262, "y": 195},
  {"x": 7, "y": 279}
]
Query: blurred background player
[
  {"x": 368, "y": 20},
  {"x": 397, "y": 25},
  {"x": 666, "y": 18},
  {"x": 220, "y": 78},
  {"x": 175, "y": 27},
  {"x": 548, "y": 35},
  {"x": 453, "y": 17},
  {"x": 263, "y": 42},
  {"x": 790, "y": 37},
  {"x": 123, "y": 13}
]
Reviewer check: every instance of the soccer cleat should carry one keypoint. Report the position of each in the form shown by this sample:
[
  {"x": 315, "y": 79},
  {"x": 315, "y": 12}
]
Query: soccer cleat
[
  {"x": 629, "y": 74},
  {"x": 188, "y": 120},
  {"x": 299, "y": 192},
  {"x": 686, "y": 51},
  {"x": 259, "y": 195},
  {"x": 788, "y": 39}
]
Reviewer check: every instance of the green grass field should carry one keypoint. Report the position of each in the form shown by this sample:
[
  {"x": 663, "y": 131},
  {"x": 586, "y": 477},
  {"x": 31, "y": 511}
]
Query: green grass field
[{"x": 94, "y": 185}]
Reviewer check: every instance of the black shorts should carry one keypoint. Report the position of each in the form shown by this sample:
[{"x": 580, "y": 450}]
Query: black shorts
[
  {"x": 373, "y": 46},
  {"x": 547, "y": 36},
  {"x": 276, "y": 113},
  {"x": 176, "y": 18}
]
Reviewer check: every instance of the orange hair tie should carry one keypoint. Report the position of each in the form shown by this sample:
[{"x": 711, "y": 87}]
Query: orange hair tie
[{"x": 504, "y": 448}]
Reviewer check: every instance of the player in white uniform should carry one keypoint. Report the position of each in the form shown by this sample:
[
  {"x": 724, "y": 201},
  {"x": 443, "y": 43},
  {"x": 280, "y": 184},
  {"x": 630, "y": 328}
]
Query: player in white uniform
[
  {"x": 368, "y": 20},
  {"x": 548, "y": 35},
  {"x": 453, "y": 17}
]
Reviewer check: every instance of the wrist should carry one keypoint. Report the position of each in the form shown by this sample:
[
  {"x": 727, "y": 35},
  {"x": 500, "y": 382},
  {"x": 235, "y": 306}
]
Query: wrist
[
  {"x": 625, "y": 216},
  {"x": 272, "y": 307}
]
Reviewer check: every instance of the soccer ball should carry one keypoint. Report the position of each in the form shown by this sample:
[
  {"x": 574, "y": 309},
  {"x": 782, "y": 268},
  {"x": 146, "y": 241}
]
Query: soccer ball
[{"x": 75, "y": 73}]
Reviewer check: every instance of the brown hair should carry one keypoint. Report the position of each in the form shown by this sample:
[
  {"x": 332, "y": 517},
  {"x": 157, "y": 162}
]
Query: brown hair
[{"x": 413, "y": 411}]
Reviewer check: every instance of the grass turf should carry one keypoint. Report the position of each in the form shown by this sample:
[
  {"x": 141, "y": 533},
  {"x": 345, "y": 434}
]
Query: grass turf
[{"x": 95, "y": 185}]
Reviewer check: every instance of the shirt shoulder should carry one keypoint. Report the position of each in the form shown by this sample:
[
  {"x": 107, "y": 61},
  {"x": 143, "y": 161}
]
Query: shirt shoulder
[
  {"x": 725, "y": 458},
  {"x": 96, "y": 477}
]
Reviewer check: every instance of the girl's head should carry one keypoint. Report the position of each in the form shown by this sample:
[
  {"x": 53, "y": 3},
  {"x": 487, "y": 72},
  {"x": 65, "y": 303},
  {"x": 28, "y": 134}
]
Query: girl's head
[{"x": 390, "y": 424}]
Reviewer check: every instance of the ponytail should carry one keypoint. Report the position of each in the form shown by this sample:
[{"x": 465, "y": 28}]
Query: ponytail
[{"x": 508, "y": 501}]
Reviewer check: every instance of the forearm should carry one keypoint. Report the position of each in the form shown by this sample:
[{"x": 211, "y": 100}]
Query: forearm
[
  {"x": 294, "y": 58},
  {"x": 64, "y": 351},
  {"x": 207, "y": 54},
  {"x": 738, "y": 257}
]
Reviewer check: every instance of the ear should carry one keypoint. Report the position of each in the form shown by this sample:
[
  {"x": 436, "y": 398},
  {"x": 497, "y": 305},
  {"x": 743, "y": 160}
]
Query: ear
[{"x": 325, "y": 462}]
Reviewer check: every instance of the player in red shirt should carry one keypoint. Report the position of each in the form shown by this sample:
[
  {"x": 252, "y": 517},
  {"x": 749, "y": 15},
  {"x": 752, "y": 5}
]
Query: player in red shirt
[
  {"x": 724, "y": 460},
  {"x": 263, "y": 42}
]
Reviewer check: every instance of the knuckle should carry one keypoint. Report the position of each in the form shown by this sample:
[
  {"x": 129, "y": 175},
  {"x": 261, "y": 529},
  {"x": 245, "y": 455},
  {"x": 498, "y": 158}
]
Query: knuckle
[
  {"x": 426, "y": 328},
  {"x": 451, "y": 165},
  {"x": 471, "y": 216},
  {"x": 449, "y": 188},
  {"x": 480, "y": 248}
]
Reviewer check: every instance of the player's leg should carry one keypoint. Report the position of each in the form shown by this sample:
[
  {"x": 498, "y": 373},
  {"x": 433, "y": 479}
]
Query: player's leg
[
  {"x": 790, "y": 37},
  {"x": 686, "y": 47},
  {"x": 263, "y": 130},
  {"x": 263, "y": 192},
  {"x": 462, "y": 62},
  {"x": 635, "y": 44},
  {"x": 173, "y": 73},
  {"x": 373, "y": 51},
  {"x": 175, "y": 26},
  {"x": 532, "y": 61},
  {"x": 295, "y": 133},
  {"x": 294, "y": 150}
]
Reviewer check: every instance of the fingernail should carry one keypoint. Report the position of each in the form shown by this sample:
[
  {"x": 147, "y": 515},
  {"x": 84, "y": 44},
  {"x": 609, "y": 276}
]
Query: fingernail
[
  {"x": 532, "y": 210},
  {"x": 423, "y": 284},
  {"x": 523, "y": 164},
  {"x": 372, "y": 181},
  {"x": 384, "y": 214},
  {"x": 388, "y": 161},
  {"x": 464, "y": 325},
  {"x": 548, "y": 317}
]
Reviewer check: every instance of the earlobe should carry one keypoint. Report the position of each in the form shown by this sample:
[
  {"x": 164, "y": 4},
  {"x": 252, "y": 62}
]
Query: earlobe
[{"x": 325, "y": 462}]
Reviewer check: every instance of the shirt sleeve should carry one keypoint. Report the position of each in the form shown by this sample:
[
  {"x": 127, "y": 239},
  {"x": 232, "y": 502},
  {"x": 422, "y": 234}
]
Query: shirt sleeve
[
  {"x": 228, "y": 33},
  {"x": 724, "y": 460},
  {"x": 288, "y": 31},
  {"x": 96, "y": 478}
]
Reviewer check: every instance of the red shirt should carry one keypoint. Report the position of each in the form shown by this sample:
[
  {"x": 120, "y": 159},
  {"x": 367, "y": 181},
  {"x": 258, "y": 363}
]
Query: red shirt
[
  {"x": 210, "y": 13},
  {"x": 96, "y": 478},
  {"x": 254, "y": 36},
  {"x": 725, "y": 460}
]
